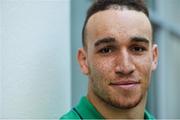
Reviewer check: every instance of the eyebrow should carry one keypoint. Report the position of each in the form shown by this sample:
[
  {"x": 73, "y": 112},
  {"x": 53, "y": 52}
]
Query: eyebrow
[
  {"x": 140, "y": 39},
  {"x": 104, "y": 41},
  {"x": 112, "y": 40}
]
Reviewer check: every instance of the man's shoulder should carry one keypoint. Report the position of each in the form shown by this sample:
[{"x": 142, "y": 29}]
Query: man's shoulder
[{"x": 70, "y": 115}]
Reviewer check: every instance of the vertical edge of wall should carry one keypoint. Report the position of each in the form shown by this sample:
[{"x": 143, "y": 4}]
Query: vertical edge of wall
[
  {"x": 69, "y": 54},
  {"x": 1, "y": 77},
  {"x": 67, "y": 62}
]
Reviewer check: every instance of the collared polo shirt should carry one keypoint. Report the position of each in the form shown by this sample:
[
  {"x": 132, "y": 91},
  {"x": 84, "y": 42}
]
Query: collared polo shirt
[{"x": 85, "y": 110}]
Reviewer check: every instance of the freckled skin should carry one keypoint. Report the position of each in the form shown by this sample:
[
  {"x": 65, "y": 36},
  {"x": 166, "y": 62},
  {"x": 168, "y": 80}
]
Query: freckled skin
[{"x": 102, "y": 69}]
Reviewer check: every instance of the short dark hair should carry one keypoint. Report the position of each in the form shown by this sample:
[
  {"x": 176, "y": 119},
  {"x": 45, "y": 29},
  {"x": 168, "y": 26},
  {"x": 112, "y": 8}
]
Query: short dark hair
[{"x": 101, "y": 5}]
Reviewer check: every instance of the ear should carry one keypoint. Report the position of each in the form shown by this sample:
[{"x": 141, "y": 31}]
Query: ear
[
  {"x": 155, "y": 53},
  {"x": 82, "y": 59}
]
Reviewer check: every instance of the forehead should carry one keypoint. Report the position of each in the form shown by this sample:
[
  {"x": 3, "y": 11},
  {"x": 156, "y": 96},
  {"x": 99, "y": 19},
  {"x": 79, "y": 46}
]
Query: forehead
[{"x": 118, "y": 24}]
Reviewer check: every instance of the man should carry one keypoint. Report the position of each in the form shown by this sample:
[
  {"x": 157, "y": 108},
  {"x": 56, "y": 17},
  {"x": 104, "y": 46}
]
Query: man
[{"x": 118, "y": 56}]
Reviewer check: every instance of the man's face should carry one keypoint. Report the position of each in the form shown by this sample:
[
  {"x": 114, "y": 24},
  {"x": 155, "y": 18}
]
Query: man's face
[{"x": 119, "y": 57}]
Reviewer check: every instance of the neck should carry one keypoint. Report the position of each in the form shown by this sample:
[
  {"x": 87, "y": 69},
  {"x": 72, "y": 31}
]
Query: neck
[{"x": 111, "y": 112}]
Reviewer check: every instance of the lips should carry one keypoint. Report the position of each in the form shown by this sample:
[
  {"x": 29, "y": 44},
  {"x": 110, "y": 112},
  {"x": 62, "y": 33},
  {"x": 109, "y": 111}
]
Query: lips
[{"x": 125, "y": 84}]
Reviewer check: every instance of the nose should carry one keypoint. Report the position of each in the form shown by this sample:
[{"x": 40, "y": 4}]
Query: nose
[{"x": 125, "y": 65}]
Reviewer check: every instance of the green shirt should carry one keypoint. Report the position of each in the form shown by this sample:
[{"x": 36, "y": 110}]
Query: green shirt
[{"x": 85, "y": 110}]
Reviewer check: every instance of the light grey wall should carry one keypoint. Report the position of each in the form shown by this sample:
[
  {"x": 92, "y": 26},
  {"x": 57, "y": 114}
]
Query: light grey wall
[
  {"x": 0, "y": 60},
  {"x": 79, "y": 81},
  {"x": 34, "y": 58}
]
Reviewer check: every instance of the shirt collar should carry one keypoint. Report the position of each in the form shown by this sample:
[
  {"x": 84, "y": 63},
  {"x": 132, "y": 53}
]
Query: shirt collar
[{"x": 88, "y": 111}]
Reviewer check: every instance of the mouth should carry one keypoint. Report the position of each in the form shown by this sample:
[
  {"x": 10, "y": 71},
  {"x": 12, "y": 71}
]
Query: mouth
[{"x": 125, "y": 84}]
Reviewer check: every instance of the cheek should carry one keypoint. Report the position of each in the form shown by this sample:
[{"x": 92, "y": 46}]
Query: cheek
[
  {"x": 143, "y": 64},
  {"x": 101, "y": 69},
  {"x": 103, "y": 66},
  {"x": 143, "y": 67}
]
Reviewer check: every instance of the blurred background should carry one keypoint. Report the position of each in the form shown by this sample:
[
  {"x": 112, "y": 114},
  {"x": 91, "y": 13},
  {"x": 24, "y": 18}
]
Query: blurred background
[{"x": 39, "y": 74}]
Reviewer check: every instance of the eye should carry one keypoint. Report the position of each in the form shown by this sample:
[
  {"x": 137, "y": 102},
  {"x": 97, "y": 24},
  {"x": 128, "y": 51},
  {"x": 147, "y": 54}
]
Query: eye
[
  {"x": 105, "y": 50},
  {"x": 138, "y": 49}
]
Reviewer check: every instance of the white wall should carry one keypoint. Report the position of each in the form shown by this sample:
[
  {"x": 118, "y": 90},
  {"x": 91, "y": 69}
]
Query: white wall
[{"x": 35, "y": 58}]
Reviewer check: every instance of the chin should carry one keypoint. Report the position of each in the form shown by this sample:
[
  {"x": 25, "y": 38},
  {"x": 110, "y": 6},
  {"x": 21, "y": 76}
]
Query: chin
[{"x": 125, "y": 102}]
